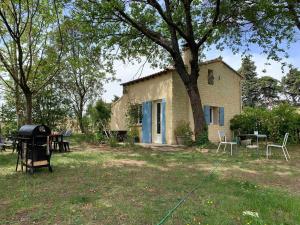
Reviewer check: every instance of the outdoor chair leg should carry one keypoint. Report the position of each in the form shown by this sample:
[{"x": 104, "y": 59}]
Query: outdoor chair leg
[
  {"x": 267, "y": 152},
  {"x": 17, "y": 163},
  {"x": 219, "y": 147},
  {"x": 284, "y": 154},
  {"x": 225, "y": 147},
  {"x": 287, "y": 152},
  {"x": 231, "y": 149}
]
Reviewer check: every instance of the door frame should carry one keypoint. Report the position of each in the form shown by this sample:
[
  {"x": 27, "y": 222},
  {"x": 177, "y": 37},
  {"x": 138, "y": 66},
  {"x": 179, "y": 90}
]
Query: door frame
[{"x": 157, "y": 137}]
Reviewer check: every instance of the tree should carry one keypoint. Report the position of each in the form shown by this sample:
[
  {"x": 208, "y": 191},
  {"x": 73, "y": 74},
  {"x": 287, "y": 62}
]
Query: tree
[
  {"x": 283, "y": 12},
  {"x": 12, "y": 89},
  {"x": 99, "y": 115},
  {"x": 250, "y": 92},
  {"x": 26, "y": 28},
  {"x": 8, "y": 118},
  {"x": 84, "y": 70},
  {"x": 291, "y": 86},
  {"x": 158, "y": 29},
  {"x": 52, "y": 107},
  {"x": 269, "y": 90},
  {"x": 294, "y": 11}
]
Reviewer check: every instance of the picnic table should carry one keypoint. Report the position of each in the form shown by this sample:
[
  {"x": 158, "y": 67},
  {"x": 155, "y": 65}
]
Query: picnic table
[{"x": 57, "y": 139}]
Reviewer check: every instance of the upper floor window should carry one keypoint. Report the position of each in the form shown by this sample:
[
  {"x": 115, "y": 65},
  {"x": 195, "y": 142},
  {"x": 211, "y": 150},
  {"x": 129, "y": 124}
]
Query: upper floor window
[{"x": 210, "y": 77}]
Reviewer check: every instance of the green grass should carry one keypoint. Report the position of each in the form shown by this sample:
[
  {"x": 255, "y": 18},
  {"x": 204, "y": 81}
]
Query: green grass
[
  {"x": 138, "y": 186},
  {"x": 78, "y": 138}
]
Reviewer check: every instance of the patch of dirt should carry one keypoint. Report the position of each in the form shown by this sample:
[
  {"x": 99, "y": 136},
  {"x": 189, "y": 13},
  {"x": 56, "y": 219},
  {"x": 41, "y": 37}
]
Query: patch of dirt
[
  {"x": 124, "y": 162},
  {"x": 23, "y": 216},
  {"x": 4, "y": 204},
  {"x": 91, "y": 147},
  {"x": 282, "y": 181}
]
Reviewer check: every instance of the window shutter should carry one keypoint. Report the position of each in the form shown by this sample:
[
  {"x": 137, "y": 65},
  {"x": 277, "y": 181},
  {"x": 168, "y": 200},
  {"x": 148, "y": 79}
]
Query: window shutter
[
  {"x": 221, "y": 116},
  {"x": 147, "y": 122},
  {"x": 207, "y": 114}
]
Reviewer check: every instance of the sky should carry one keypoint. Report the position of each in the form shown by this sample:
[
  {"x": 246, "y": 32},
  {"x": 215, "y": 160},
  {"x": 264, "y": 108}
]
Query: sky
[{"x": 128, "y": 71}]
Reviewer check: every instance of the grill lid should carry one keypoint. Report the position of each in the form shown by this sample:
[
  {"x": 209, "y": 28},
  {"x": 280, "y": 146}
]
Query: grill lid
[{"x": 34, "y": 130}]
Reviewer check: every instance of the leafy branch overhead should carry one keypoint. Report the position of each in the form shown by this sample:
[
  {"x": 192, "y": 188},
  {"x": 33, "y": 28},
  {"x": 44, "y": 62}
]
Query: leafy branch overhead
[
  {"x": 26, "y": 30},
  {"x": 160, "y": 29}
]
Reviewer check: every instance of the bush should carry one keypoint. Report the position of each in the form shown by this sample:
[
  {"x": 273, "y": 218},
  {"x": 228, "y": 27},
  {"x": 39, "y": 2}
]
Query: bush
[
  {"x": 252, "y": 119},
  {"x": 132, "y": 136},
  {"x": 113, "y": 141},
  {"x": 100, "y": 137},
  {"x": 275, "y": 123},
  {"x": 202, "y": 139},
  {"x": 284, "y": 118},
  {"x": 184, "y": 130}
]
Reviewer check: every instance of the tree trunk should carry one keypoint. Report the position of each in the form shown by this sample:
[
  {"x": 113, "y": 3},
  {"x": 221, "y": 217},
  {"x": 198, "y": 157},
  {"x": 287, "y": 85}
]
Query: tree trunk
[
  {"x": 80, "y": 121},
  {"x": 198, "y": 114},
  {"x": 80, "y": 117},
  {"x": 189, "y": 73},
  {"x": 18, "y": 105},
  {"x": 28, "y": 97}
]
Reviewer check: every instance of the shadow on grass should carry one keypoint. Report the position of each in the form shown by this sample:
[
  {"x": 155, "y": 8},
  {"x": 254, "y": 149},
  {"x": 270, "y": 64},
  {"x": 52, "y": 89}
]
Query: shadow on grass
[{"x": 91, "y": 193}]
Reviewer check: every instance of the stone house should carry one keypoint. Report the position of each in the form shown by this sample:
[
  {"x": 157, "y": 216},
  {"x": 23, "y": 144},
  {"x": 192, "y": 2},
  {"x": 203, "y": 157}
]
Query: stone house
[{"x": 164, "y": 102}]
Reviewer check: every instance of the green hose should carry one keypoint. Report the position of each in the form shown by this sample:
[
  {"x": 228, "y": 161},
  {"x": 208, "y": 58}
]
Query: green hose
[{"x": 170, "y": 212}]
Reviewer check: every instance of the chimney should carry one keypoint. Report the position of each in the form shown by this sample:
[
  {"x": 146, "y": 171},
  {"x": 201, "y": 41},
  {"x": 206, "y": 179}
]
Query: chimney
[{"x": 186, "y": 56}]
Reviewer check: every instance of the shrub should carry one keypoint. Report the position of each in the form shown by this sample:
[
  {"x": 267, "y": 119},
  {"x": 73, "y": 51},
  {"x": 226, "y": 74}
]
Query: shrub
[
  {"x": 202, "y": 139},
  {"x": 184, "y": 130},
  {"x": 284, "y": 118},
  {"x": 275, "y": 123},
  {"x": 252, "y": 119},
  {"x": 100, "y": 137},
  {"x": 132, "y": 136},
  {"x": 113, "y": 141}
]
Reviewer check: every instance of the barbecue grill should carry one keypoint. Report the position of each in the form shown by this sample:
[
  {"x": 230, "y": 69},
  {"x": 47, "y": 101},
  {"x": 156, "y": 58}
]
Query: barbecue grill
[{"x": 34, "y": 147}]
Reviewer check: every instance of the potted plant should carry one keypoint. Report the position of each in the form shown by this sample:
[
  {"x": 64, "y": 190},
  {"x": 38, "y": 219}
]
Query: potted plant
[
  {"x": 133, "y": 135},
  {"x": 183, "y": 133}
]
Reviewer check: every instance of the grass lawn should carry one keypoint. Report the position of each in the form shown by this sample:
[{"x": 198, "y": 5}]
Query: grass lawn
[{"x": 100, "y": 185}]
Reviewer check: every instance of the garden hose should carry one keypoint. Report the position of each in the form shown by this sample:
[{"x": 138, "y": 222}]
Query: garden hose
[{"x": 171, "y": 211}]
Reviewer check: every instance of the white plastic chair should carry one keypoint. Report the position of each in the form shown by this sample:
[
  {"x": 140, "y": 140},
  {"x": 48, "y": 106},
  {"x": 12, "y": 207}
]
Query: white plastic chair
[
  {"x": 283, "y": 147},
  {"x": 223, "y": 140}
]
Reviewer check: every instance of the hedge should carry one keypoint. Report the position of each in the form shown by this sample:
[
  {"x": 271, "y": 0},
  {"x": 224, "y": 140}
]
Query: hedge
[{"x": 274, "y": 122}]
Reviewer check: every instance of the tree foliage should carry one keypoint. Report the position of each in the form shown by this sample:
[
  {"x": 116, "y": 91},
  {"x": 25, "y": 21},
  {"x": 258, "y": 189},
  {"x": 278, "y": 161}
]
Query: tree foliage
[
  {"x": 85, "y": 67},
  {"x": 159, "y": 28},
  {"x": 99, "y": 115},
  {"x": 52, "y": 107},
  {"x": 274, "y": 122},
  {"x": 25, "y": 40},
  {"x": 269, "y": 90},
  {"x": 250, "y": 92},
  {"x": 291, "y": 86}
]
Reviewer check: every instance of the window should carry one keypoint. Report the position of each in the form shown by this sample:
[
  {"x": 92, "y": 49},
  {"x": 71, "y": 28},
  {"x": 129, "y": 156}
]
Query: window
[
  {"x": 214, "y": 115},
  {"x": 210, "y": 77}
]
